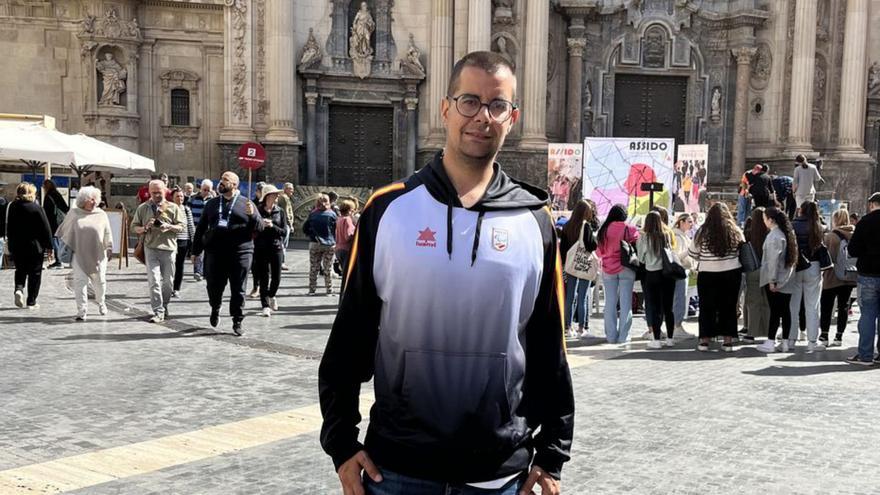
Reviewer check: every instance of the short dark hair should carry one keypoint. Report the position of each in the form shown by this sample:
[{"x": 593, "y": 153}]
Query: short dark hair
[
  {"x": 765, "y": 167},
  {"x": 874, "y": 198},
  {"x": 800, "y": 159},
  {"x": 490, "y": 62}
]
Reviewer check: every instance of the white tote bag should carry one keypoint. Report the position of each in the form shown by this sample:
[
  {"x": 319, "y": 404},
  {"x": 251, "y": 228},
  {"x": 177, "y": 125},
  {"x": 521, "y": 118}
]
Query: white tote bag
[{"x": 581, "y": 263}]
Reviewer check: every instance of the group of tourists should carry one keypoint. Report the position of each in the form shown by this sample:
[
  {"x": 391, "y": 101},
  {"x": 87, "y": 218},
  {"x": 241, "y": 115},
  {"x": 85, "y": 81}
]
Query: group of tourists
[{"x": 223, "y": 233}]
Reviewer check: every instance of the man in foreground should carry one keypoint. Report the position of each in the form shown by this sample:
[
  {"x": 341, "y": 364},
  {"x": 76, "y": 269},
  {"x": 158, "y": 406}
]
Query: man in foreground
[{"x": 458, "y": 266}]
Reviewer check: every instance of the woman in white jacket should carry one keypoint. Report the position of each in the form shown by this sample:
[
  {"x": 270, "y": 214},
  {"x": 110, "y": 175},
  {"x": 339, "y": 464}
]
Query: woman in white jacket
[{"x": 683, "y": 224}]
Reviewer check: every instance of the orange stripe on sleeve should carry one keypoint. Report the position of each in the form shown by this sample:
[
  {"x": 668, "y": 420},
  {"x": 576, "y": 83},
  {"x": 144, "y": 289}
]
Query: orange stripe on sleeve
[
  {"x": 560, "y": 298},
  {"x": 354, "y": 248}
]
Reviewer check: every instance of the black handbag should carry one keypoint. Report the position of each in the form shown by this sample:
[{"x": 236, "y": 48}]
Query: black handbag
[
  {"x": 747, "y": 258},
  {"x": 802, "y": 262},
  {"x": 629, "y": 258},
  {"x": 671, "y": 267},
  {"x": 824, "y": 257}
]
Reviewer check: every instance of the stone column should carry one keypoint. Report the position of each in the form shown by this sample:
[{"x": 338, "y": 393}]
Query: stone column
[
  {"x": 479, "y": 25},
  {"x": 534, "y": 85},
  {"x": 440, "y": 66},
  {"x": 576, "y": 48},
  {"x": 743, "y": 57},
  {"x": 412, "y": 128},
  {"x": 803, "y": 67},
  {"x": 281, "y": 77},
  {"x": 237, "y": 73},
  {"x": 311, "y": 138},
  {"x": 853, "y": 87}
]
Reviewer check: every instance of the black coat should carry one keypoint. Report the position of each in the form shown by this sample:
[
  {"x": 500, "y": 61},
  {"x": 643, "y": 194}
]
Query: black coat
[
  {"x": 51, "y": 202},
  {"x": 28, "y": 233},
  {"x": 237, "y": 237},
  {"x": 272, "y": 238}
]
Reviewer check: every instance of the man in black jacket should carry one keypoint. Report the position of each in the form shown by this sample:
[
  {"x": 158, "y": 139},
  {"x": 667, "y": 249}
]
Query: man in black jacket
[
  {"x": 56, "y": 208},
  {"x": 760, "y": 185},
  {"x": 226, "y": 234},
  {"x": 458, "y": 266},
  {"x": 865, "y": 245}
]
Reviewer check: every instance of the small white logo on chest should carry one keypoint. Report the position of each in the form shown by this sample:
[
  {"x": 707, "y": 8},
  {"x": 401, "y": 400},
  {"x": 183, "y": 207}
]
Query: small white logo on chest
[{"x": 500, "y": 239}]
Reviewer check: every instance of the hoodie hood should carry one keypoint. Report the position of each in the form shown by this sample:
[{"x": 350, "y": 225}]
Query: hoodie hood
[{"x": 503, "y": 193}]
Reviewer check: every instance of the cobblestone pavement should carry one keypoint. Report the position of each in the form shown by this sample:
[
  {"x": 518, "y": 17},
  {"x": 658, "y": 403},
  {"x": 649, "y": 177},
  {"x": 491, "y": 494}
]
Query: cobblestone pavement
[{"x": 669, "y": 421}]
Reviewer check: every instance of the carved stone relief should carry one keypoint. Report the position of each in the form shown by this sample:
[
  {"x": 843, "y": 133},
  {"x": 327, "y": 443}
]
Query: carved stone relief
[
  {"x": 360, "y": 48},
  {"x": 239, "y": 66},
  {"x": 113, "y": 77},
  {"x": 654, "y": 47},
  {"x": 715, "y": 105},
  {"x": 412, "y": 63},
  {"x": 503, "y": 12},
  {"x": 762, "y": 67},
  {"x": 311, "y": 53},
  {"x": 874, "y": 77},
  {"x": 505, "y": 44},
  {"x": 262, "y": 102}
]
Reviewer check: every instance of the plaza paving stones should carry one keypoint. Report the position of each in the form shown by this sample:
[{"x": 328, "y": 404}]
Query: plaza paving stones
[{"x": 117, "y": 405}]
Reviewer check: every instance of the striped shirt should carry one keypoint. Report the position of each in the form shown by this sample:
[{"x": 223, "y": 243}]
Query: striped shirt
[
  {"x": 190, "y": 230},
  {"x": 709, "y": 262},
  {"x": 197, "y": 204}
]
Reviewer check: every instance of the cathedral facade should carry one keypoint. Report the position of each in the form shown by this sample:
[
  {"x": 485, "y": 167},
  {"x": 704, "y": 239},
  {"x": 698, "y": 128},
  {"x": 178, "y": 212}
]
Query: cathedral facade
[{"x": 346, "y": 93}]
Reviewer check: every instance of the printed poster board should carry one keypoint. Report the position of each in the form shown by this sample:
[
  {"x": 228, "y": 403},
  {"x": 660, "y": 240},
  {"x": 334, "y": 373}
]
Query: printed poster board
[{"x": 565, "y": 167}]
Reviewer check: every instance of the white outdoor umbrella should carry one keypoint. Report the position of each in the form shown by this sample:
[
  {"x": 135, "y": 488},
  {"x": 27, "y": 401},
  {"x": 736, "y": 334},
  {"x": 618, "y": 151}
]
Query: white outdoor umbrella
[
  {"x": 35, "y": 143},
  {"x": 104, "y": 156}
]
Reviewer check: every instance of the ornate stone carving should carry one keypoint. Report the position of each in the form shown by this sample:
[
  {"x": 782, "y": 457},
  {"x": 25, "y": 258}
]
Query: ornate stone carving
[
  {"x": 654, "y": 47},
  {"x": 819, "y": 80},
  {"x": 822, "y": 20},
  {"x": 262, "y": 104},
  {"x": 113, "y": 76},
  {"x": 311, "y": 52},
  {"x": 715, "y": 108},
  {"x": 506, "y": 46},
  {"x": 109, "y": 26},
  {"x": 411, "y": 103},
  {"x": 503, "y": 12},
  {"x": 874, "y": 76},
  {"x": 360, "y": 50},
  {"x": 576, "y": 46},
  {"x": 239, "y": 66},
  {"x": 411, "y": 63},
  {"x": 743, "y": 54},
  {"x": 762, "y": 67}
]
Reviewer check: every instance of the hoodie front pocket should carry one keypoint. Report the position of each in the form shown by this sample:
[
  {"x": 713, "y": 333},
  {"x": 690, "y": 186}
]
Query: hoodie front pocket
[{"x": 457, "y": 394}]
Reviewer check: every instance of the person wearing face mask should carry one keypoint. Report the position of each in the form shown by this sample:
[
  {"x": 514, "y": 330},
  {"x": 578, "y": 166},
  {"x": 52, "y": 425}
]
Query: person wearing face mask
[
  {"x": 458, "y": 267},
  {"x": 225, "y": 234}
]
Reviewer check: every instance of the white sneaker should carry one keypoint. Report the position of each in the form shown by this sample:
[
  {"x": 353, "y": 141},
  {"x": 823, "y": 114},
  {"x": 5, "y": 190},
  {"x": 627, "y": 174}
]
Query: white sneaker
[
  {"x": 786, "y": 346},
  {"x": 267, "y": 312},
  {"x": 102, "y": 309},
  {"x": 670, "y": 343},
  {"x": 835, "y": 343},
  {"x": 19, "y": 298},
  {"x": 584, "y": 334},
  {"x": 767, "y": 346},
  {"x": 273, "y": 303},
  {"x": 802, "y": 336},
  {"x": 815, "y": 346},
  {"x": 648, "y": 335},
  {"x": 157, "y": 318},
  {"x": 682, "y": 334},
  {"x": 654, "y": 344},
  {"x": 571, "y": 333},
  {"x": 175, "y": 294}
]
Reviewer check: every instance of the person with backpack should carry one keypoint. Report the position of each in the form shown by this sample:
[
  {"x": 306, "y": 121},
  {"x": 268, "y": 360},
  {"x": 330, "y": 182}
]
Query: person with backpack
[
  {"x": 865, "y": 245},
  {"x": 837, "y": 284},
  {"x": 577, "y": 290},
  {"x": 806, "y": 282}
]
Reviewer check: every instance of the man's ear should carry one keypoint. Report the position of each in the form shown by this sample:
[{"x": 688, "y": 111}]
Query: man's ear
[
  {"x": 444, "y": 110},
  {"x": 514, "y": 117}
]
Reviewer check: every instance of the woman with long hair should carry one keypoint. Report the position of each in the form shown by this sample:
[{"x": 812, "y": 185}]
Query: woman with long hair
[
  {"x": 86, "y": 230},
  {"x": 577, "y": 290},
  {"x": 833, "y": 287},
  {"x": 756, "y": 308},
  {"x": 683, "y": 225},
  {"x": 778, "y": 257},
  {"x": 345, "y": 230},
  {"x": 616, "y": 278},
  {"x": 806, "y": 283},
  {"x": 29, "y": 237},
  {"x": 716, "y": 249},
  {"x": 659, "y": 290}
]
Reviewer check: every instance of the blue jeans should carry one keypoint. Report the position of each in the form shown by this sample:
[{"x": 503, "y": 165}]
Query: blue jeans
[
  {"x": 680, "y": 300},
  {"x": 743, "y": 210},
  {"x": 869, "y": 305},
  {"x": 199, "y": 264},
  {"x": 398, "y": 484},
  {"x": 618, "y": 288},
  {"x": 577, "y": 292}
]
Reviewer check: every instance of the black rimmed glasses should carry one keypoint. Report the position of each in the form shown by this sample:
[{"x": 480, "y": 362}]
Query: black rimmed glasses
[{"x": 470, "y": 105}]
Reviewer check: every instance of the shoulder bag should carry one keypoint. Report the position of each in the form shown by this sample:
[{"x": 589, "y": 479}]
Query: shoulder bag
[
  {"x": 671, "y": 268},
  {"x": 747, "y": 258},
  {"x": 581, "y": 263}
]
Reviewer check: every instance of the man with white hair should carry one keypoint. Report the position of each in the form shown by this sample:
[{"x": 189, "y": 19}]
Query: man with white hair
[
  {"x": 159, "y": 221},
  {"x": 226, "y": 234},
  {"x": 197, "y": 205},
  {"x": 285, "y": 202}
]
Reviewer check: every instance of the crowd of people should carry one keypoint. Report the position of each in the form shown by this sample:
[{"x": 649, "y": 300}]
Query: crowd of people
[{"x": 223, "y": 233}]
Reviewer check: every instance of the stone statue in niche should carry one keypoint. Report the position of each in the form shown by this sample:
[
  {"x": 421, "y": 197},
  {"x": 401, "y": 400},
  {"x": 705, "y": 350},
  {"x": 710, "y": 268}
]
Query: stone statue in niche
[
  {"x": 655, "y": 48},
  {"x": 311, "y": 51},
  {"x": 113, "y": 77},
  {"x": 360, "y": 50},
  {"x": 411, "y": 62},
  {"x": 504, "y": 48},
  {"x": 503, "y": 12},
  {"x": 588, "y": 95},
  {"x": 715, "y": 113},
  {"x": 874, "y": 76}
]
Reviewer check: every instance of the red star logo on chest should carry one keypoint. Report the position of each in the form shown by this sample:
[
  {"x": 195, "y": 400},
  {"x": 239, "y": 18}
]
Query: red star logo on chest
[{"x": 426, "y": 238}]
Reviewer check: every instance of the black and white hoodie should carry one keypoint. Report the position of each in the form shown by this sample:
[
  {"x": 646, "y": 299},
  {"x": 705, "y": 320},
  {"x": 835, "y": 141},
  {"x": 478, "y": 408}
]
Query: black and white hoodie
[{"x": 456, "y": 313}]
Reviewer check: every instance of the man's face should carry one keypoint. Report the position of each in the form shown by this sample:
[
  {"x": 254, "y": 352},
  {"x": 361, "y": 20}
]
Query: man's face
[
  {"x": 478, "y": 137},
  {"x": 157, "y": 192},
  {"x": 206, "y": 190},
  {"x": 164, "y": 178},
  {"x": 288, "y": 190},
  {"x": 229, "y": 181},
  {"x": 188, "y": 189},
  {"x": 756, "y": 169}
]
